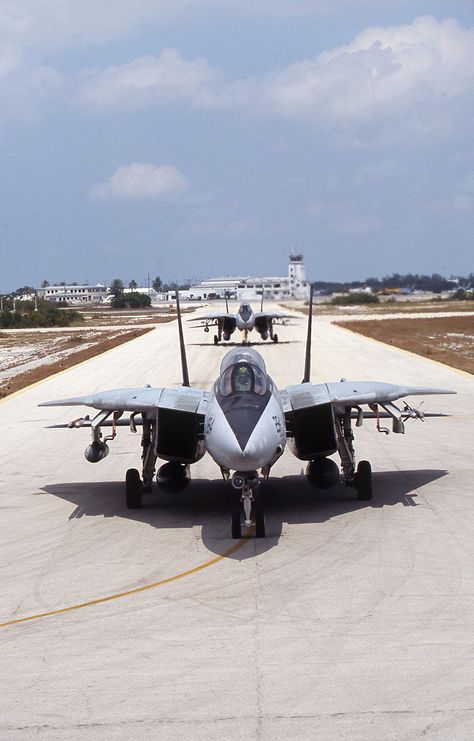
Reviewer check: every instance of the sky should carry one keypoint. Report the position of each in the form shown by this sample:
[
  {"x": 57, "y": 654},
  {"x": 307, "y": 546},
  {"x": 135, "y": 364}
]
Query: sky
[{"x": 198, "y": 138}]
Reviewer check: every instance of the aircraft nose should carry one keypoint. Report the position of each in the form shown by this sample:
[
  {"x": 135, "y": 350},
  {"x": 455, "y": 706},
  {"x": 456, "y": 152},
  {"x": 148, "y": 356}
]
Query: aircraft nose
[{"x": 252, "y": 455}]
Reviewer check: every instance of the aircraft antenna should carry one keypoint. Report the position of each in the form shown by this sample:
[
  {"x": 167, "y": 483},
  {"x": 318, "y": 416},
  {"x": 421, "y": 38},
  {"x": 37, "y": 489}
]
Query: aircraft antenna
[
  {"x": 307, "y": 360},
  {"x": 226, "y": 295},
  {"x": 182, "y": 348}
]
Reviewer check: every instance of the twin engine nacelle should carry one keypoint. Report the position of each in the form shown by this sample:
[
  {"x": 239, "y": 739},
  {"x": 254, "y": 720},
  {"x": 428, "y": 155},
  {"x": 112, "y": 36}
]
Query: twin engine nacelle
[
  {"x": 96, "y": 451},
  {"x": 323, "y": 473}
]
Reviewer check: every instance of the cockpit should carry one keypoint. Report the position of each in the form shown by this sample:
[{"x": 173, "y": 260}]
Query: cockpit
[
  {"x": 245, "y": 312},
  {"x": 243, "y": 378}
]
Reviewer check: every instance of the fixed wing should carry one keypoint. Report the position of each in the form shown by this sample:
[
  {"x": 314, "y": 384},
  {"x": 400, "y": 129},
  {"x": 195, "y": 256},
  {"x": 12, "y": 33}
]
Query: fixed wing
[
  {"x": 244, "y": 422},
  {"x": 245, "y": 320}
]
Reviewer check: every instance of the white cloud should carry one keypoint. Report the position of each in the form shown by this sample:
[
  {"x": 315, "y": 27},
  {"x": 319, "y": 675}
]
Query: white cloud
[
  {"x": 139, "y": 181},
  {"x": 150, "y": 80},
  {"x": 386, "y": 73},
  {"x": 410, "y": 75},
  {"x": 417, "y": 77}
]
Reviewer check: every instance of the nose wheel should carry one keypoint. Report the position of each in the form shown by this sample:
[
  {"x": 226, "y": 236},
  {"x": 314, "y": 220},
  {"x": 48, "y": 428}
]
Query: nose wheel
[
  {"x": 236, "y": 526},
  {"x": 253, "y": 515}
]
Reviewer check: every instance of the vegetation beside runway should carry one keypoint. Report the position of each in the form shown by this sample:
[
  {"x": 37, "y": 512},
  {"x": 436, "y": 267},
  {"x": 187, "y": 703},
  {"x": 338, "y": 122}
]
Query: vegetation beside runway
[
  {"x": 448, "y": 340},
  {"x": 47, "y": 353}
]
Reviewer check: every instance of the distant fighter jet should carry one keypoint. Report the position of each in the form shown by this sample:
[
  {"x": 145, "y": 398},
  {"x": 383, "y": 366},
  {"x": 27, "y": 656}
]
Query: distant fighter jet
[
  {"x": 245, "y": 320},
  {"x": 244, "y": 422}
]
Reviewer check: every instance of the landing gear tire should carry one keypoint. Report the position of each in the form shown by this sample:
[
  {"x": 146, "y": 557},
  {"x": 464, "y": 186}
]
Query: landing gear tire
[
  {"x": 275, "y": 338},
  {"x": 363, "y": 481},
  {"x": 236, "y": 526},
  {"x": 216, "y": 340},
  {"x": 133, "y": 489},
  {"x": 259, "y": 524}
]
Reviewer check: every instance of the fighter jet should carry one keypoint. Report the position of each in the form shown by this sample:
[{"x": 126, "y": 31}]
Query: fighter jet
[
  {"x": 244, "y": 423},
  {"x": 245, "y": 320}
]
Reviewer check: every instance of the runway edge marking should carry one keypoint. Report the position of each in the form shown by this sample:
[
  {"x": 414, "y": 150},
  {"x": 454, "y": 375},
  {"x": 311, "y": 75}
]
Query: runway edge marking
[{"x": 129, "y": 592}]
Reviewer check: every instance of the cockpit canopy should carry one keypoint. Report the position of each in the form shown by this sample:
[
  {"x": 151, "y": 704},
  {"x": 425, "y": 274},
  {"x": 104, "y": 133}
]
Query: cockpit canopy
[
  {"x": 243, "y": 355},
  {"x": 245, "y": 312},
  {"x": 243, "y": 378},
  {"x": 243, "y": 372}
]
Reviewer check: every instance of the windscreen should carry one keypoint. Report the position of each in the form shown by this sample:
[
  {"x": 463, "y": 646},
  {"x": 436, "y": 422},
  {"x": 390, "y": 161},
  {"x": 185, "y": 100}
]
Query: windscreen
[
  {"x": 245, "y": 312},
  {"x": 243, "y": 378}
]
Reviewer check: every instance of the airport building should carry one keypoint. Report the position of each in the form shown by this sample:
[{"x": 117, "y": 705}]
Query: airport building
[
  {"x": 74, "y": 294},
  {"x": 293, "y": 285}
]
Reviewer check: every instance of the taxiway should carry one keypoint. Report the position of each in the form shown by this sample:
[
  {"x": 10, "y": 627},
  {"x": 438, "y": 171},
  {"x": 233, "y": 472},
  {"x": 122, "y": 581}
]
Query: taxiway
[{"x": 350, "y": 620}]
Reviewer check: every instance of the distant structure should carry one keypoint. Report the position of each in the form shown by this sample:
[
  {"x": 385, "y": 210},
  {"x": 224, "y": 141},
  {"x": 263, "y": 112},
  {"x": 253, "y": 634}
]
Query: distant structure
[
  {"x": 74, "y": 294},
  {"x": 293, "y": 285}
]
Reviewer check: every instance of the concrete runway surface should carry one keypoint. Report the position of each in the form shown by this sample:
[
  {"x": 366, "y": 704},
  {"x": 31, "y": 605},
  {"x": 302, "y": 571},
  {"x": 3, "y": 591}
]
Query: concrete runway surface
[{"x": 350, "y": 620}]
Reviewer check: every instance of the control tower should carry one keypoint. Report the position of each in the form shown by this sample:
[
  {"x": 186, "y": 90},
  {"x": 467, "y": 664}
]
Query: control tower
[{"x": 298, "y": 285}]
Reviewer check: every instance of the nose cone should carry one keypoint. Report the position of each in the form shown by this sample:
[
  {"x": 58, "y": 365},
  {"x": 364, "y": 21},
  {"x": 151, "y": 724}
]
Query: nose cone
[
  {"x": 254, "y": 455},
  {"x": 251, "y": 452}
]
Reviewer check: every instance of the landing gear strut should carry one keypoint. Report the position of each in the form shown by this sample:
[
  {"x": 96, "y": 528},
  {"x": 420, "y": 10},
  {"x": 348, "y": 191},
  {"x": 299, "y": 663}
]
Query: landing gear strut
[
  {"x": 218, "y": 336},
  {"x": 135, "y": 486},
  {"x": 248, "y": 483},
  {"x": 360, "y": 479}
]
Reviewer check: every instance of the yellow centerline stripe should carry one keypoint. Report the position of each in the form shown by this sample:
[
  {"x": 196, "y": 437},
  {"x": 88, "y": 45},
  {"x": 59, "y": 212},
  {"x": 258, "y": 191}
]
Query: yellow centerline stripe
[{"x": 129, "y": 592}]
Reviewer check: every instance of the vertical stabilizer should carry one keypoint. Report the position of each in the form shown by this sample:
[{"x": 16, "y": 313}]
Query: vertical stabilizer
[
  {"x": 182, "y": 348},
  {"x": 307, "y": 359}
]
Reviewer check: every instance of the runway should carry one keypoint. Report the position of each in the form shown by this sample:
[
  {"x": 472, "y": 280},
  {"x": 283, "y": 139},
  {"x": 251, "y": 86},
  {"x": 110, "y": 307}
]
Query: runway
[{"x": 350, "y": 620}]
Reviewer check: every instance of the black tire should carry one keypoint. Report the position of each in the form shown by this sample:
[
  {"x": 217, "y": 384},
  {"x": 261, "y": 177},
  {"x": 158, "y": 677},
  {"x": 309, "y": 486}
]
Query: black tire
[
  {"x": 236, "y": 526},
  {"x": 275, "y": 338},
  {"x": 216, "y": 340},
  {"x": 363, "y": 481},
  {"x": 259, "y": 524},
  {"x": 133, "y": 489}
]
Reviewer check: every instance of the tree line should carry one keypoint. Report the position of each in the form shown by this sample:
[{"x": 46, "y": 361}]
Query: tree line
[{"x": 434, "y": 283}]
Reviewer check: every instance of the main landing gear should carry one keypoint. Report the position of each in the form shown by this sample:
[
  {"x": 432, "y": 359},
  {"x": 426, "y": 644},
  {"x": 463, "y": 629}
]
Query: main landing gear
[
  {"x": 363, "y": 481},
  {"x": 248, "y": 483},
  {"x": 136, "y": 486},
  {"x": 360, "y": 479},
  {"x": 133, "y": 489}
]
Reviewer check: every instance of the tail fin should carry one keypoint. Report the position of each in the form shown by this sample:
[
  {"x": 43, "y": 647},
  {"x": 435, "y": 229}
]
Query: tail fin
[
  {"x": 307, "y": 360},
  {"x": 182, "y": 348}
]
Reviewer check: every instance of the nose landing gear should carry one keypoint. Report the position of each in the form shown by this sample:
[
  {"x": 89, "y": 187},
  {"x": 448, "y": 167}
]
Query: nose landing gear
[{"x": 248, "y": 483}]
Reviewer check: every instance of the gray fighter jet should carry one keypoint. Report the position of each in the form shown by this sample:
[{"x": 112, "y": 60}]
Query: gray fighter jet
[
  {"x": 244, "y": 320},
  {"x": 244, "y": 423}
]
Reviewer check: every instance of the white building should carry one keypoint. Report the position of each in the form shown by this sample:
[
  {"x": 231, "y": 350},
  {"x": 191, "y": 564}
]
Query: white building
[
  {"x": 293, "y": 285},
  {"x": 74, "y": 294}
]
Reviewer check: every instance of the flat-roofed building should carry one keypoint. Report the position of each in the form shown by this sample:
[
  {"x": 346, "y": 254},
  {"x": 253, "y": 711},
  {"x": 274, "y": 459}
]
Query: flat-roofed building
[
  {"x": 72, "y": 294},
  {"x": 293, "y": 285}
]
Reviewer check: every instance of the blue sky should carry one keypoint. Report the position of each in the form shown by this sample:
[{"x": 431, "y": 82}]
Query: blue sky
[{"x": 195, "y": 138}]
